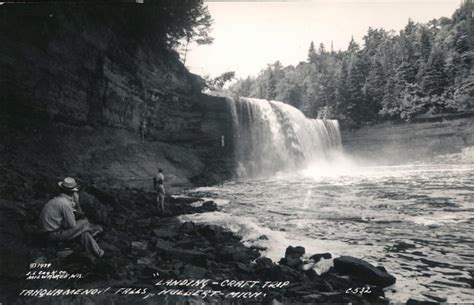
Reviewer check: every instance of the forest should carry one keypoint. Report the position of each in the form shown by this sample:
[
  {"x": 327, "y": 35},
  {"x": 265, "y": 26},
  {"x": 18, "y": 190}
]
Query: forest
[{"x": 423, "y": 70}]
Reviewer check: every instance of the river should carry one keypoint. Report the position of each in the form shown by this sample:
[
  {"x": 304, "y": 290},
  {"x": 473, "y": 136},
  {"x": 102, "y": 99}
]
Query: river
[{"x": 414, "y": 219}]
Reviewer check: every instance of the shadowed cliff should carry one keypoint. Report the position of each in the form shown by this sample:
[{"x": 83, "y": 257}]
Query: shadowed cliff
[{"x": 77, "y": 83}]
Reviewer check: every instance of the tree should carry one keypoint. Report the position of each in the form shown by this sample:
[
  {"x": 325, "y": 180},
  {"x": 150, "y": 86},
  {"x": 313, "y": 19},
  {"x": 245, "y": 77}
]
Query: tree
[
  {"x": 289, "y": 90},
  {"x": 424, "y": 68},
  {"x": 353, "y": 46},
  {"x": 243, "y": 87},
  {"x": 269, "y": 85},
  {"x": 342, "y": 94},
  {"x": 198, "y": 33},
  {"x": 218, "y": 82},
  {"x": 374, "y": 88},
  {"x": 170, "y": 23},
  {"x": 311, "y": 53},
  {"x": 357, "y": 107},
  {"x": 390, "y": 108},
  {"x": 372, "y": 41},
  {"x": 322, "y": 49},
  {"x": 424, "y": 44},
  {"x": 434, "y": 79}
]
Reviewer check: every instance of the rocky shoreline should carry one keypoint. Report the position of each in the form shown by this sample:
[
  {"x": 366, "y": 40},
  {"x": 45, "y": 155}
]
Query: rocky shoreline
[{"x": 147, "y": 249}]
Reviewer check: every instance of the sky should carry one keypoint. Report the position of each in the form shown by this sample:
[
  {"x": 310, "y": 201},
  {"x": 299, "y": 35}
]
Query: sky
[{"x": 250, "y": 35}]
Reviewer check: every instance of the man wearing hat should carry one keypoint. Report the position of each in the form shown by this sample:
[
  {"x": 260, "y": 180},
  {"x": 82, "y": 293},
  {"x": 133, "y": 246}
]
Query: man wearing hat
[{"x": 59, "y": 223}]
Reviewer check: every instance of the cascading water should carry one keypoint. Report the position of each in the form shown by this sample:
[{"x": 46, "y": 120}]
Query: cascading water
[{"x": 272, "y": 136}]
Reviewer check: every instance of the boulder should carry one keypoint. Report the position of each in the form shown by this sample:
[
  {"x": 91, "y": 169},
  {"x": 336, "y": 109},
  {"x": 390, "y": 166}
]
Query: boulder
[
  {"x": 194, "y": 272},
  {"x": 209, "y": 206},
  {"x": 283, "y": 273},
  {"x": 110, "y": 248},
  {"x": 163, "y": 245},
  {"x": 311, "y": 274},
  {"x": 246, "y": 268},
  {"x": 147, "y": 261},
  {"x": 382, "y": 268},
  {"x": 298, "y": 250},
  {"x": 165, "y": 233},
  {"x": 188, "y": 226},
  {"x": 293, "y": 257},
  {"x": 139, "y": 247},
  {"x": 213, "y": 233},
  {"x": 144, "y": 222},
  {"x": 362, "y": 271},
  {"x": 64, "y": 253},
  {"x": 317, "y": 257},
  {"x": 190, "y": 256},
  {"x": 337, "y": 280},
  {"x": 237, "y": 254},
  {"x": 119, "y": 222},
  {"x": 93, "y": 208},
  {"x": 263, "y": 263}
]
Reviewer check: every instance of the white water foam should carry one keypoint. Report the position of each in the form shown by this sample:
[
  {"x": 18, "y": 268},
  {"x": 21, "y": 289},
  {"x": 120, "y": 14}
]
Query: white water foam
[{"x": 273, "y": 243}]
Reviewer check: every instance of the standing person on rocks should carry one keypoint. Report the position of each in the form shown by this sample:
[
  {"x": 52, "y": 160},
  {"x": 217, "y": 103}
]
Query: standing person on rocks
[
  {"x": 58, "y": 221},
  {"x": 142, "y": 130},
  {"x": 158, "y": 184}
]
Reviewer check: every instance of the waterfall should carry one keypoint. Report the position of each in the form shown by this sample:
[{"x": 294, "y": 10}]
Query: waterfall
[{"x": 272, "y": 136}]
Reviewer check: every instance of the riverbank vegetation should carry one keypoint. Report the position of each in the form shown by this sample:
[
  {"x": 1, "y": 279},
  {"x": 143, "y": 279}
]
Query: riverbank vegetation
[{"x": 422, "y": 70}]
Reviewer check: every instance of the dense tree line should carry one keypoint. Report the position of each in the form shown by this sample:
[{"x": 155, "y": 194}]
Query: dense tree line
[
  {"x": 423, "y": 69},
  {"x": 171, "y": 22},
  {"x": 166, "y": 22}
]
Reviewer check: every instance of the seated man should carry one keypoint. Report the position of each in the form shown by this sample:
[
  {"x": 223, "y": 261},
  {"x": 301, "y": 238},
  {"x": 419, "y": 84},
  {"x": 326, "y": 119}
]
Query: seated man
[{"x": 57, "y": 219}]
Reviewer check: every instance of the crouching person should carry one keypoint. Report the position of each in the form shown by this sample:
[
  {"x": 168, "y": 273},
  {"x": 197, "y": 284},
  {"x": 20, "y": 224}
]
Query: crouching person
[{"x": 59, "y": 223}]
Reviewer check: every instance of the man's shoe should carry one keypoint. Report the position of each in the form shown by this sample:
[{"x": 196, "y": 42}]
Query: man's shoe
[{"x": 96, "y": 230}]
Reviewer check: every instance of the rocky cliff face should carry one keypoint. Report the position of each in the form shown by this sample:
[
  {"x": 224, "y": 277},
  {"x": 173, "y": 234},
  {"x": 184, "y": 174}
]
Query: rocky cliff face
[
  {"x": 398, "y": 143},
  {"x": 76, "y": 87}
]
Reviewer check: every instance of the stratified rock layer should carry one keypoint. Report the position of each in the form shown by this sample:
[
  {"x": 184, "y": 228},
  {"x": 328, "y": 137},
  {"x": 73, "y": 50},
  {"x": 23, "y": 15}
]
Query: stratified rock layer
[
  {"x": 78, "y": 86},
  {"x": 395, "y": 143}
]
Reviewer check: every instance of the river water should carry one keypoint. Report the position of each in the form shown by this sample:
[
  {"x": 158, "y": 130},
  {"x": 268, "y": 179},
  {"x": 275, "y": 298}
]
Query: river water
[{"x": 414, "y": 219}]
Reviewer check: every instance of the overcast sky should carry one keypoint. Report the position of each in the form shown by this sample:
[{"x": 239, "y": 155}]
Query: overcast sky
[{"x": 250, "y": 35}]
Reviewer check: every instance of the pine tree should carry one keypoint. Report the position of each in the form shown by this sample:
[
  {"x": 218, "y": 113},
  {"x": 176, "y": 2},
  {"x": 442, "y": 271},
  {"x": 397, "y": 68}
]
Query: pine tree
[
  {"x": 424, "y": 45},
  {"x": 322, "y": 49},
  {"x": 353, "y": 46},
  {"x": 374, "y": 88},
  {"x": 242, "y": 88},
  {"x": 358, "y": 108},
  {"x": 389, "y": 105},
  {"x": 270, "y": 85},
  {"x": 342, "y": 95},
  {"x": 434, "y": 79},
  {"x": 312, "y": 53}
]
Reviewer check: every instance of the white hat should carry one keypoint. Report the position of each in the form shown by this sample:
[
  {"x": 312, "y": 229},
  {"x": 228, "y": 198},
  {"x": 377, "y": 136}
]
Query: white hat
[{"x": 69, "y": 184}]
